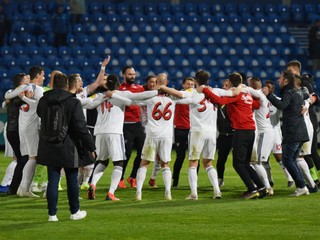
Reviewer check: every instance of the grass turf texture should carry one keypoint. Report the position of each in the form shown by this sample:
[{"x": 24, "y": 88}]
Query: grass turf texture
[{"x": 276, "y": 217}]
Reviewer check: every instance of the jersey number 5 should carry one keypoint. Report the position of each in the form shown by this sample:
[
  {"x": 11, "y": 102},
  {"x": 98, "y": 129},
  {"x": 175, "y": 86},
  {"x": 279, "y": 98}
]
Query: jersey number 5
[{"x": 157, "y": 114}]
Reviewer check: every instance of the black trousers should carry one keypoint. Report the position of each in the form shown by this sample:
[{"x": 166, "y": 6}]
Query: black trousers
[
  {"x": 224, "y": 146},
  {"x": 14, "y": 140},
  {"x": 181, "y": 145},
  {"x": 242, "y": 149},
  {"x": 134, "y": 136}
]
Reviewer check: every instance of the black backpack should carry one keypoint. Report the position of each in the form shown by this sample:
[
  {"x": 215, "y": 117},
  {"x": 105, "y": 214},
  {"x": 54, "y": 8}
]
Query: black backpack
[{"x": 55, "y": 123}]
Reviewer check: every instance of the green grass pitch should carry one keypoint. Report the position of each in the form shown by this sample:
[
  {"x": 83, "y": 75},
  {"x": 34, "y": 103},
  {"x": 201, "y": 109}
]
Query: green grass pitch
[{"x": 276, "y": 217}]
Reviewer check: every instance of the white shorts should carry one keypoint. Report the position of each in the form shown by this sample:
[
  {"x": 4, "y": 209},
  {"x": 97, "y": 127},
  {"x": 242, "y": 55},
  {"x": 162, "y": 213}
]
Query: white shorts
[
  {"x": 29, "y": 141},
  {"x": 202, "y": 143},
  {"x": 8, "y": 151},
  {"x": 306, "y": 147},
  {"x": 265, "y": 142},
  {"x": 157, "y": 146},
  {"x": 277, "y": 149},
  {"x": 110, "y": 146}
]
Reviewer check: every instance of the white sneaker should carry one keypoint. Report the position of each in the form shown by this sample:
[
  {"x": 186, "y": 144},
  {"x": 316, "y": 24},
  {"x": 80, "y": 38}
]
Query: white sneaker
[
  {"x": 44, "y": 186},
  {"x": 167, "y": 195},
  {"x": 270, "y": 191},
  {"x": 35, "y": 189},
  {"x": 300, "y": 191},
  {"x": 53, "y": 218},
  {"x": 217, "y": 195},
  {"x": 27, "y": 194},
  {"x": 192, "y": 197},
  {"x": 78, "y": 215},
  {"x": 138, "y": 196}
]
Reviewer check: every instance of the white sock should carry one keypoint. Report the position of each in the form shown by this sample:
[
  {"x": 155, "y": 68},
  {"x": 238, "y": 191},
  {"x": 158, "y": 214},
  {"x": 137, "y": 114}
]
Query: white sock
[
  {"x": 27, "y": 175},
  {"x": 193, "y": 180},
  {"x": 141, "y": 176},
  {"x": 261, "y": 171},
  {"x": 305, "y": 171},
  {"x": 213, "y": 177},
  {"x": 9, "y": 173},
  {"x": 97, "y": 173},
  {"x": 155, "y": 170},
  {"x": 167, "y": 176},
  {"x": 115, "y": 178},
  {"x": 289, "y": 178},
  {"x": 87, "y": 173}
]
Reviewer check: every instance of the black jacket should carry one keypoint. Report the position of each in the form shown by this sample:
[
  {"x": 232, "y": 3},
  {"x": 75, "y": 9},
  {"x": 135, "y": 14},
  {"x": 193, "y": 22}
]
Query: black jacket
[
  {"x": 65, "y": 155},
  {"x": 293, "y": 127},
  {"x": 13, "y": 114}
]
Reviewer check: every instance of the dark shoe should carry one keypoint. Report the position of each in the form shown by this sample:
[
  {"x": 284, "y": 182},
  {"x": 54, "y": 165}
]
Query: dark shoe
[
  {"x": 262, "y": 192},
  {"x": 290, "y": 184},
  {"x": 91, "y": 194},
  {"x": 313, "y": 190},
  {"x": 251, "y": 195}
]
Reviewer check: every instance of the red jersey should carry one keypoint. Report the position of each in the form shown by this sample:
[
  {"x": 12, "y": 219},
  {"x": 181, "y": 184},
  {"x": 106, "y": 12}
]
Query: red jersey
[
  {"x": 132, "y": 113},
  {"x": 239, "y": 109},
  {"x": 181, "y": 116}
]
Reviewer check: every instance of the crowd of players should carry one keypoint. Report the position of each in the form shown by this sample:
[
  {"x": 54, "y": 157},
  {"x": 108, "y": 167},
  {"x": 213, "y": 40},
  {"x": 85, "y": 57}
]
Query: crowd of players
[{"x": 153, "y": 117}]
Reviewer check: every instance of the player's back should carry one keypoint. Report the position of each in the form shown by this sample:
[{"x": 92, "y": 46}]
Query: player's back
[
  {"x": 203, "y": 114},
  {"x": 160, "y": 116},
  {"x": 110, "y": 117}
]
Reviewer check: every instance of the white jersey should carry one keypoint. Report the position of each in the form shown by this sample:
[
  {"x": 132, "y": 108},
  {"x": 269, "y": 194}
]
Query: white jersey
[
  {"x": 28, "y": 118},
  {"x": 110, "y": 113},
  {"x": 203, "y": 114},
  {"x": 274, "y": 115},
  {"x": 160, "y": 112},
  {"x": 262, "y": 115},
  {"x": 110, "y": 117}
]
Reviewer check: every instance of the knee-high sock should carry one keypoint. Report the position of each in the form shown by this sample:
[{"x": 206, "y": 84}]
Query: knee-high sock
[
  {"x": 27, "y": 175},
  {"x": 305, "y": 171},
  {"x": 213, "y": 177},
  {"x": 115, "y": 178},
  {"x": 193, "y": 180},
  {"x": 141, "y": 176},
  {"x": 155, "y": 170},
  {"x": 9, "y": 173},
  {"x": 87, "y": 173},
  {"x": 262, "y": 174},
  {"x": 97, "y": 173},
  {"x": 167, "y": 176},
  {"x": 267, "y": 167},
  {"x": 288, "y": 176}
]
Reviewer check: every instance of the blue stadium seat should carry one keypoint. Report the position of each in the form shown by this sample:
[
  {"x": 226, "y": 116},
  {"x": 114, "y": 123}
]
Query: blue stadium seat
[
  {"x": 284, "y": 12},
  {"x": 243, "y": 9},
  {"x": 6, "y": 51},
  {"x": 204, "y": 9},
  {"x": 190, "y": 8},
  {"x": 108, "y": 8},
  {"x": 298, "y": 14},
  {"x": 94, "y": 7},
  {"x": 79, "y": 29}
]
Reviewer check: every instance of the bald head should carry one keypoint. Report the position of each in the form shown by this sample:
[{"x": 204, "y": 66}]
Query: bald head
[{"x": 162, "y": 79}]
